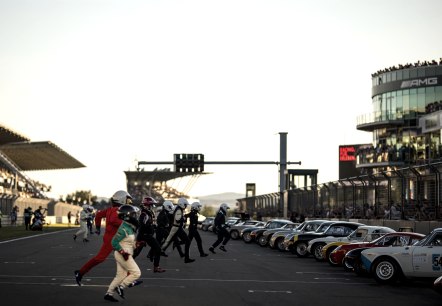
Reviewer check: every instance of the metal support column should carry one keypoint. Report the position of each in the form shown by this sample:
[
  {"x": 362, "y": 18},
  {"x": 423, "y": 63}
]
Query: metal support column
[{"x": 282, "y": 172}]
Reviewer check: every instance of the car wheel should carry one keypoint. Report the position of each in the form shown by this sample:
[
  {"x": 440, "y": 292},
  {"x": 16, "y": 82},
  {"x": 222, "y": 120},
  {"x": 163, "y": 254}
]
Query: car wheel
[
  {"x": 300, "y": 249},
  {"x": 280, "y": 244},
  {"x": 358, "y": 269},
  {"x": 262, "y": 241},
  {"x": 385, "y": 271},
  {"x": 234, "y": 234},
  {"x": 317, "y": 251},
  {"x": 246, "y": 237},
  {"x": 347, "y": 266},
  {"x": 328, "y": 258}
]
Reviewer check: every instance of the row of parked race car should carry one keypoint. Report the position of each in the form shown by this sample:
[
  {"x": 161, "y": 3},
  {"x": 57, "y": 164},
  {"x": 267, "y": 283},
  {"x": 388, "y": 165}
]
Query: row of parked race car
[{"x": 378, "y": 251}]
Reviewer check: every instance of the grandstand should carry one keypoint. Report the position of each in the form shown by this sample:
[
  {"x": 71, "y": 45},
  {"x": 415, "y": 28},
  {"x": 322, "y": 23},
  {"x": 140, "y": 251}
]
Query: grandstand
[
  {"x": 19, "y": 154},
  {"x": 159, "y": 184}
]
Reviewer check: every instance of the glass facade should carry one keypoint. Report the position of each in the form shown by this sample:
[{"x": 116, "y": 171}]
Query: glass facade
[{"x": 400, "y": 99}]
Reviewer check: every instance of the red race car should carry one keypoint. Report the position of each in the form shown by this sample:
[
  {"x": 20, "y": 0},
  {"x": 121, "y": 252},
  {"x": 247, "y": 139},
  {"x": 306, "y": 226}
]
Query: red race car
[{"x": 351, "y": 262}]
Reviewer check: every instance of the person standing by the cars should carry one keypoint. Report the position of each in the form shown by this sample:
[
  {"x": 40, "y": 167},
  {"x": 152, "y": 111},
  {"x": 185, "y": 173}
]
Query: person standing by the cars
[
  {"x": 193, "y": 226},
  {"x": 119, "y": 198},
  {"x": 221, "y": 228}
]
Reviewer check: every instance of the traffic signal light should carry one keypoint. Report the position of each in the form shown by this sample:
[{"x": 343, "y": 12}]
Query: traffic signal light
[{"x": 189, "y": 162}]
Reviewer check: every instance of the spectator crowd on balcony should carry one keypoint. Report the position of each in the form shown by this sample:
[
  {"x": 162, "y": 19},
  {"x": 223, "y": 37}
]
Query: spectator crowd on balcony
[
  {"x": 408, "y": 65},
  {"x": 406, "y": 153}
]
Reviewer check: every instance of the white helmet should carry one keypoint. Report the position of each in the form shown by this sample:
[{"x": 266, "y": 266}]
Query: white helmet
[
  {"x": 196, "y": 206},
  {"x": 121, "y": 197},
  {"x": 182, "y": 202},
  {"x": 224, "y": 207},
  {"x": 168, "y": 206}
]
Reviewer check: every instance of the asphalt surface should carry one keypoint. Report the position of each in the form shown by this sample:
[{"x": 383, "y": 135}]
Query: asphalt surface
[{"x": 39, "y": 271}]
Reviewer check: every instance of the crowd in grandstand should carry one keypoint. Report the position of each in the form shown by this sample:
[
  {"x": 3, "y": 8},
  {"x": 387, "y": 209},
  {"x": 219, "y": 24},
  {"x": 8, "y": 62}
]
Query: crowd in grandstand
[
  {"x": 408, "y": 65},
  {"x": 12, "y": 183},
  {"x": 159, "y": 191}
]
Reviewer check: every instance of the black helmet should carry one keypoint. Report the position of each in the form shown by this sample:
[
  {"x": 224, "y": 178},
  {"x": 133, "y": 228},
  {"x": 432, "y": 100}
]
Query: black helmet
[{"x": 129, "y": 213}]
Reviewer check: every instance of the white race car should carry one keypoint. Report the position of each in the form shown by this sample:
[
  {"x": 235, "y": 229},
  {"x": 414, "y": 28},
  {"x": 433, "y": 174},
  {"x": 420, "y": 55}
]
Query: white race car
[
  {"x": 362, "y": 233},
  {"x": 421, "y": 260}
]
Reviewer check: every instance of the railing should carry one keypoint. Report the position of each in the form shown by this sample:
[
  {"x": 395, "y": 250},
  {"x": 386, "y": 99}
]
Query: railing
[
  {"x": 378, "y": 117},
  {"x": 411, "y": 193}
]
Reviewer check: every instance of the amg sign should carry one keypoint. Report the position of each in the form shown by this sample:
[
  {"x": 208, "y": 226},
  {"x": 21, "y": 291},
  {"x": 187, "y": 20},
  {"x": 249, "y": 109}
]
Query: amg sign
[{"x": 419, "y": 82}]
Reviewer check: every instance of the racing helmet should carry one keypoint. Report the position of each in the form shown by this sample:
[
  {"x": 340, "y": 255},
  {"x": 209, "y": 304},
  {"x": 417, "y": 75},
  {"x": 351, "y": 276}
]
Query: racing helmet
[
  {"x": 121, "y": 197},
  {"x": 129, "y": 213},
  {"x": 168, "y": 206},
  {"x": 224, "y": 207},
  {"x": 148, "y": 202},
  {"x": 88, "y": 208},
  {"x": 182, "y": 202},
  {"x": 196, "y": 206}
]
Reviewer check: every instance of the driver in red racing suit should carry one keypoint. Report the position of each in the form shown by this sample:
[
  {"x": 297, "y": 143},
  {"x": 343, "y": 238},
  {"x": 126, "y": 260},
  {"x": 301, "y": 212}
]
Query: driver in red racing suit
[{"x": 119, "y": 198}]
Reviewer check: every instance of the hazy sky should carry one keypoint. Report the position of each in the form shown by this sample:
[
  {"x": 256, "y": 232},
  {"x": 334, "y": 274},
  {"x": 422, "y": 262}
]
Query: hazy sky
[{"x": 111, "y": 82}]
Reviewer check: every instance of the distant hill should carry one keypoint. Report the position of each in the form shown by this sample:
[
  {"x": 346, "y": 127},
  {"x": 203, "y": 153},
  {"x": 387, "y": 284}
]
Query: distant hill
[{"x": 216, "y": 199}]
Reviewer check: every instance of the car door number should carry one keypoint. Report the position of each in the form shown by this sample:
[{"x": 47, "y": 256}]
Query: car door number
[{"x": 437, "y": 262}]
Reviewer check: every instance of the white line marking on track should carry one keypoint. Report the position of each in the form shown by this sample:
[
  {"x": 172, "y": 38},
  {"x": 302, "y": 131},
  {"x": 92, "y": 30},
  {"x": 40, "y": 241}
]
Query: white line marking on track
[
  {"x": 62, "y": 246},
  {"x": 82, "y": 285},
  {"x": 157, "y": 279},
  {"x": 270, "y": 291},
  {"x": 168, "y": 269},
  {"x": 347, "y": 279},
  {"x": 19, "y": 262},
  {"x": 323, "y": 273},
  {"x": 228, "y": 259},
  {"x": 33, "y": 236}
]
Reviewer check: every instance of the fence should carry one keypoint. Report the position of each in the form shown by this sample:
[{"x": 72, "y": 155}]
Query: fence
[{"x": 412, "y": 193}]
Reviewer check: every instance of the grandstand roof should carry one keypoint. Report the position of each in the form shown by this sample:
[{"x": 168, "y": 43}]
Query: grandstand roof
[
  {"x": 42, "y": 155},
  {"x": 156, "y": 176},
  {"x": 7, "y": 136}
]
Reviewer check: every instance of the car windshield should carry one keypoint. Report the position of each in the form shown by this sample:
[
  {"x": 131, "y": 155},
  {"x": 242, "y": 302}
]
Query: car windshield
[{"x": 323, "y": 227}]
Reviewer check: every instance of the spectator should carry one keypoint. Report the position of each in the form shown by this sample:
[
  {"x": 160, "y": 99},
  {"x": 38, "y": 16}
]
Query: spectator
[
  {"x": 69, "y": 218},
  {"x": 28, "y": 216},
  {"x": 369, "y": 214},
  {"x": 14, "y": 213},
  {"x": 301, "y": 218}
]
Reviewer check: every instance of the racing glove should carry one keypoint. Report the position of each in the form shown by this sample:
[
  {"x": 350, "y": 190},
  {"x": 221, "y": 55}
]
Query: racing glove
[
  {"x": 140, "y": 244},
  {"x": 124, "y": 254}
]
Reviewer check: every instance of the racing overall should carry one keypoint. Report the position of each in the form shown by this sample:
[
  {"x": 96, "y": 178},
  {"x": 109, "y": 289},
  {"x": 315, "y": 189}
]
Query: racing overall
[
  {"x": 127, "y": 269},
  {"x": 193, "y": 230},
  {"x": 112, "y": 224},
  {"x": 146, "y": 236},
  {"x": 177, "y": 231},
  {"x": 221, "y": 226}
]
